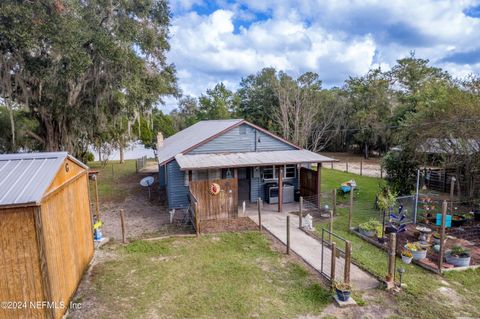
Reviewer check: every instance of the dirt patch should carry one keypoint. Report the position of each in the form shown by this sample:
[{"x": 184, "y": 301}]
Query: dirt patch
[
  {"x": 141, "y": 214},
  {"x": 355, "y": 163},
  {"x": 227, "y": 225}
]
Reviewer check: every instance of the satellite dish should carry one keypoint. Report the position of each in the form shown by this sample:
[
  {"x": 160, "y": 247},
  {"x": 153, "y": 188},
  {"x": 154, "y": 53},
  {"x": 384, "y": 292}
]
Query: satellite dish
[{"x": 147, "y": 181}]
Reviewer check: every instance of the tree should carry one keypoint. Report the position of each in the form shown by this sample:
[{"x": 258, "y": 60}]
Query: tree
[
  {"x": 218, "y": 103},
  {"x": 81, "y": 66},
  {"x": 186, "y": 114},
  {"x": 258, "y": 99},
  {"x": 371, "y": 105}
]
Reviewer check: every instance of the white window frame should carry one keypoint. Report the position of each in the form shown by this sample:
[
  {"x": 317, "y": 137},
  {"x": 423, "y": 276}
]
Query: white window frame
[
  {"x": 274, "y": 174},
  {"x": 294, "y": 171}
]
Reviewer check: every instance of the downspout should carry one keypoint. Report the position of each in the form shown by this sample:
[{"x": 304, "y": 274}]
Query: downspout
[{"x": 255, "y": 140}]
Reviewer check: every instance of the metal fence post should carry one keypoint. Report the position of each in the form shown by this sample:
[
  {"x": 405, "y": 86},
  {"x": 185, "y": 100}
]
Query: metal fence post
[{"x": 415, "y": 208}]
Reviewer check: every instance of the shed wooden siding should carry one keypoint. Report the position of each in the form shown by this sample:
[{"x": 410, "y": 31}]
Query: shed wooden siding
[
  {"x": 67, "y": 232},
  {"x": 20, "y": 275},
  {"x": 177, "y": 192},
  {"x": 234, "y": 141}
]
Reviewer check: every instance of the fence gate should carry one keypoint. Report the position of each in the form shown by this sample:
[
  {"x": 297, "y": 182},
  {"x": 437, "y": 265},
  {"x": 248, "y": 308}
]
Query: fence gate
[{"x": 336, "y": 257}]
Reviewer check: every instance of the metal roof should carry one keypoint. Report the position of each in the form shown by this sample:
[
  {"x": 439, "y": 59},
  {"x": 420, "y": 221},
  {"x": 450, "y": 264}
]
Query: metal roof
[
  {"x": 24, "y": 177},
  {"x": 192, "y": 136},
  {"x": 210, "y": 161}
]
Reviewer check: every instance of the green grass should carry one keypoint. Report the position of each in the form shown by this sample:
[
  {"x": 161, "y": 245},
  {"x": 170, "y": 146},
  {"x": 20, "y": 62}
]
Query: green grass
[
  {"x": 225, "y": 276},
  {"x": 420, "y": 299},
  {"x": 111, "y": 178}
]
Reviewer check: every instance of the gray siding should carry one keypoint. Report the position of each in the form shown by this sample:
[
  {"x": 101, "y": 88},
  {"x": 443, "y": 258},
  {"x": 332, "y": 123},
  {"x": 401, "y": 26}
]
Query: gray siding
[
  {"x": 257, "y": 186},
  {"x": 233, "y": 141},
  {"x": 176, "y": 191}
]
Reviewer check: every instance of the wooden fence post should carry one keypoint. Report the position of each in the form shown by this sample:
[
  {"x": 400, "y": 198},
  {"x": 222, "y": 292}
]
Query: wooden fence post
[
  {"x": 333, "y": 263},
  {"x": 442, "y": 236},
  {"x": 392, "y": 244},
  {"x": 113, "y": 172},
  {"x": 300, "y": 215},
  {"x": 330, "y": 227},
  {"x": 136, "y": 166},
  {"x": 244, "y": 208},
  {"x": 95, "y": 194},
  {"x": 331, "y": 165},
  {"x": 334, "y": 201},
  {"x": 197, "y": 219},
  {"x": 346, "y": 166},
  {"x": 350, "y": 209},
  {"x": 361, "y": 167},
  {"x": 348, "y": 260},
  {"x": 381, "y": 171},
  {"x": 452, "y": 191},
  {"x": 288, "y": 234},
  {"x": 122, "y": 221},
  {"x": 259, "y": 202}
]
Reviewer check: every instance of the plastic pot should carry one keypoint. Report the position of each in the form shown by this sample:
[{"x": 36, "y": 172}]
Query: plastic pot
[
  {"x": 406, "y": 260},
  {"x": 343, "y": 295},
  {"x": 458, "y": 261}
]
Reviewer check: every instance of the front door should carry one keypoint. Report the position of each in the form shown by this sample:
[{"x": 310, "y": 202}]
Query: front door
[{"x": 243, "y": 185}]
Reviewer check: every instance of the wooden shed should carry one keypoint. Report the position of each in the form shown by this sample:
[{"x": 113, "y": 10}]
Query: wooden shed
[{"x": 46, "y": 241}]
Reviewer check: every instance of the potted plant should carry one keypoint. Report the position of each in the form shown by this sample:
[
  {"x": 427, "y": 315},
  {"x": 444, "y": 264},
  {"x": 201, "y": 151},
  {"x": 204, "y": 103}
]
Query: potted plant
[
  {"x": 418, "y": 252},
  {"x": 407, "y": 256},
  {"x": 386, "y": 200},
  {"x": 458, "y": 256},
  {"x": 343, "y": 291},
  {"x": 369, "y": 228},
  {"x": 436, "y": 237}
]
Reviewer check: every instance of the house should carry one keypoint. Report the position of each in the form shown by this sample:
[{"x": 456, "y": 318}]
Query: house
[
  {"x": 250, "y": 161},
  {"x": 47, "y": 241}
]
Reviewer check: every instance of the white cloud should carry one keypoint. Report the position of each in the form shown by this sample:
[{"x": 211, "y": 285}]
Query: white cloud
[{"x": 333, "y": 38}]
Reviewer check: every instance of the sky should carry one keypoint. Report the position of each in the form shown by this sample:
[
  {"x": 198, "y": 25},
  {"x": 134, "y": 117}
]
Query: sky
[{"x": 223, "y": 41}]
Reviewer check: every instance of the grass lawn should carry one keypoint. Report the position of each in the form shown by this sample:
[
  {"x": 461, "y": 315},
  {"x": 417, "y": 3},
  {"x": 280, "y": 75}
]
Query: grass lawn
[
  {"x": 459, "y": 292},
  {"x": 234, "y": 275},
  {"x": 113, "y": 177}
]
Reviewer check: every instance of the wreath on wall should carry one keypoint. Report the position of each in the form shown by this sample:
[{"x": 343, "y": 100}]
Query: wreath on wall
[{"x": 214, "y": 189}]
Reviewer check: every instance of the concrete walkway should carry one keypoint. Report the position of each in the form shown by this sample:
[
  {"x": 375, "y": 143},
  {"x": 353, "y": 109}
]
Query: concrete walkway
[{"x": 310, "y": 249}]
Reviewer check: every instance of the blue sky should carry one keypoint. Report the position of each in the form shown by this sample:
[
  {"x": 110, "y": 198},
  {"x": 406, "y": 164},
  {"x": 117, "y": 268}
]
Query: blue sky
[{"x": 223, "y": 41}]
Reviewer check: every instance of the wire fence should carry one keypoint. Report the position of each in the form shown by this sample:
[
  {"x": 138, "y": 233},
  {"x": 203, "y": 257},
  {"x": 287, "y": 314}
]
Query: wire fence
[{"x": 359, "y": 167}]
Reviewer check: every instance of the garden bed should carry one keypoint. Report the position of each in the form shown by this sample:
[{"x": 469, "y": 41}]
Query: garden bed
[{"x": 411, "y": 235}]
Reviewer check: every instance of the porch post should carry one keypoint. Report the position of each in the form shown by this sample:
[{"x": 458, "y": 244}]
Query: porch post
[
  {"x": 319, "y": 183},
  {"x": 235, "y": 173},
  {"x": 280, "y": 188},
  {"x": 190, "y": 173}
]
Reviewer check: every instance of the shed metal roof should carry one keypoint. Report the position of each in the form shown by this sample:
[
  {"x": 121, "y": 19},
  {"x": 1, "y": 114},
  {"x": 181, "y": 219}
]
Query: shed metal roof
[
  {"x": 210, "y": 161},
  {"x": 25, "y": 177},
  {"x": 192, "y": 136}
]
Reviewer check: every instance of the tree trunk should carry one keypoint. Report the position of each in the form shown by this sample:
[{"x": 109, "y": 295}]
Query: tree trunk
[
  {"x": 366, "y": 151},
  {"x": 122, "y": 155}
]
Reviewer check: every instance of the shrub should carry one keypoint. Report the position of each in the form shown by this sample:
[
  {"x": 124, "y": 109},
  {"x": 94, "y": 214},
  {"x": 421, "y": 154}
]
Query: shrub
[
  {"x": 371, "y": 225},
  {"x": 401, "y": 169}
]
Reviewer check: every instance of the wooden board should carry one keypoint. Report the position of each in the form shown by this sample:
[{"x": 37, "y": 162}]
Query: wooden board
[
  {"x": 221, "y": 206},
  {"x": 67, "y": 172},
  {"x": 308, "y": 182},
  {"x": 66, "y": 227},
  {"x": 20, "y": 276}
]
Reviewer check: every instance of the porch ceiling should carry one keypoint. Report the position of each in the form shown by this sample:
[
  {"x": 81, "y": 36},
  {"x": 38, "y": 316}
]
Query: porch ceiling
[{"x": 210, "y": 161}]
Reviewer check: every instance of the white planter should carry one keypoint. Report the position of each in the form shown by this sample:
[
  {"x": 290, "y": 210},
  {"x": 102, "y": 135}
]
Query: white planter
[
  {"x": 406, "y": 259},
  {"x": 368, "y": 233}
]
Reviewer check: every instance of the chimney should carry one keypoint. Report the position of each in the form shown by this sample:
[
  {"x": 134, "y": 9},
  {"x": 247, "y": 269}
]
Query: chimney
[{"x": 159, "y": 140}]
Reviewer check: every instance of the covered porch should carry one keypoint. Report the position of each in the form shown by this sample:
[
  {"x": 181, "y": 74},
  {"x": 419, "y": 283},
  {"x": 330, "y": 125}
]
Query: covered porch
[{"x": 275, "y": 177}]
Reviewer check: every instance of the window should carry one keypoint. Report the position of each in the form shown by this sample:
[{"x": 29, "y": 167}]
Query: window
[
  {"x": 290, "y": 171},
  {"x": 268, "y": 172}
]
